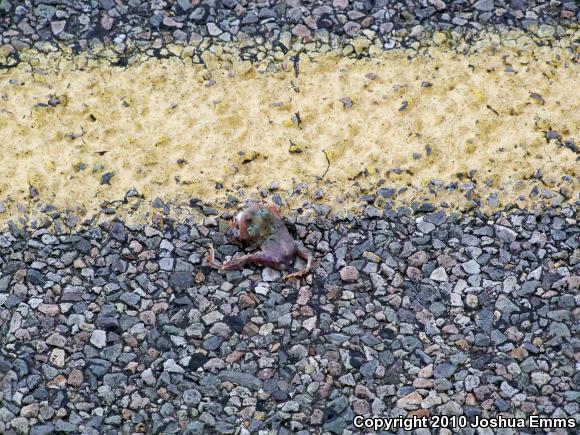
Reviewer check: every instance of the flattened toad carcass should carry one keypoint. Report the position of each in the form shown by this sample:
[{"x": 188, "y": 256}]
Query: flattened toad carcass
[{"x": 262, "y": 226}]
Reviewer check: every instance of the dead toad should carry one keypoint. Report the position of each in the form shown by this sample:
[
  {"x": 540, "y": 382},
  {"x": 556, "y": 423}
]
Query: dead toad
[{"x": 263, "y": 227}]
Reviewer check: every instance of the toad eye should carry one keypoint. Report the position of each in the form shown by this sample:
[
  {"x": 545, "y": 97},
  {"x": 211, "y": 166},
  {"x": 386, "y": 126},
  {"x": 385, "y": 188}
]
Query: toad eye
[{"x": 252, "y": 231}]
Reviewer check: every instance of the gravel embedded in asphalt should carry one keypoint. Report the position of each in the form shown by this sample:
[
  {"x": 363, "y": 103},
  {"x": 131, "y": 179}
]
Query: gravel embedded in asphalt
[
  {"x": 100, "y": 333},
  {"x": 154, "y": 27}
]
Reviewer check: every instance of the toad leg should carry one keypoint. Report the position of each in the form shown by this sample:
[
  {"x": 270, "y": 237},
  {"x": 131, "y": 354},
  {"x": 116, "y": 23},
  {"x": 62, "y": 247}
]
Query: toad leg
[
  {"x": 261, "y": 258},
  {"x": 210, "y": 258},
  {"x": 305, "y": 255}
]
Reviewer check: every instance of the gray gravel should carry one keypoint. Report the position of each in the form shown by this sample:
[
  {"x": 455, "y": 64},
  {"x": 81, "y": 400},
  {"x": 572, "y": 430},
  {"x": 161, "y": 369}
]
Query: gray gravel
[
  {"x": 120, "y": 329},
  {"x": 136, "y": 26}
]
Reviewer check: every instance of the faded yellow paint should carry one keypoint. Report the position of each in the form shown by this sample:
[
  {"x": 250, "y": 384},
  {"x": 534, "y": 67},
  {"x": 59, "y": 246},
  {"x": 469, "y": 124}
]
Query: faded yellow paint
[{"x": 165, "y": 129}]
